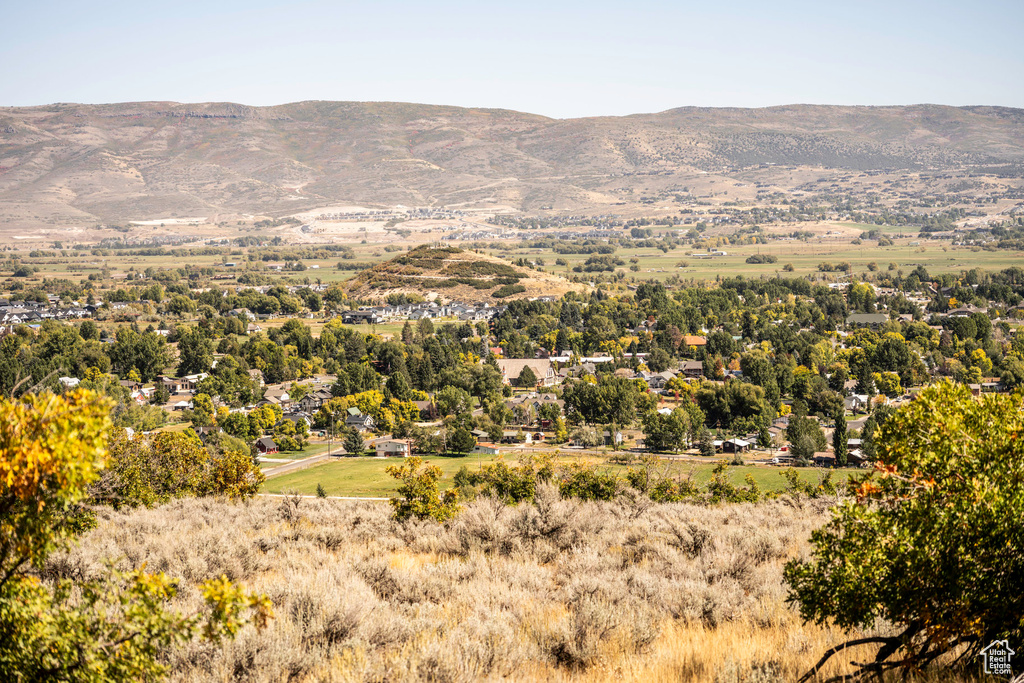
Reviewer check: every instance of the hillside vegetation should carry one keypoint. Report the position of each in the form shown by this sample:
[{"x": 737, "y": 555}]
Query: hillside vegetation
[
  {"x": 455, "y": 275},
  {"x": 558, "y": 590}
]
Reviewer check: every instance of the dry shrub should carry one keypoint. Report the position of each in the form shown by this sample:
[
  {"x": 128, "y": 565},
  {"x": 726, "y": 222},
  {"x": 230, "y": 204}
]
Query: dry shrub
[{"x": 557, "y": 589}]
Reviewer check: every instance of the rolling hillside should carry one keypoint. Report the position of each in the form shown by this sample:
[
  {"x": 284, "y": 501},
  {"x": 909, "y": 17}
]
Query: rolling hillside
[
  {"x": 453, "y": 274},
  {"x": 70, "y": 164}
]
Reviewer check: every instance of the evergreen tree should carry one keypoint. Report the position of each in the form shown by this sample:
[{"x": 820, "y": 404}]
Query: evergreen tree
[
  {"x": 839, "y": 439},
  {"x": 527, "y": 378},
  {"x": 397, "y": 387},
  {"x": 707, "y": 443},
  {"x": 353, "y": 442},
  {"x": 867, "y": 436},
  {"x": 461, "y": 440}
]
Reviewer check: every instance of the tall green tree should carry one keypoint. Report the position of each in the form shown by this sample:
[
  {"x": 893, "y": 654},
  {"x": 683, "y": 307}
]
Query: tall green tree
[
  {"x": 666, "y": 432},
  {"x": 839, "y": 439},
  {"x": 397, "y": 387},
  {"x": 461, "y": 440},
  {"x": 612, "y": 399},
  {"x": 706, "y": 443},
  {"x": 453, "y": 401},
  {"x": 195, "y": 352},
  {"x": 353, "y": 442},
  {"x": 147, "y": 353},
  {"x": 527, "y": 378},
  {"x": 805, "y": 438}
]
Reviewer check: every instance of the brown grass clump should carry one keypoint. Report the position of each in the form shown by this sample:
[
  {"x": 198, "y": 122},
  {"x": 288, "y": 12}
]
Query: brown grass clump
[{"x": 556, "y": 590}]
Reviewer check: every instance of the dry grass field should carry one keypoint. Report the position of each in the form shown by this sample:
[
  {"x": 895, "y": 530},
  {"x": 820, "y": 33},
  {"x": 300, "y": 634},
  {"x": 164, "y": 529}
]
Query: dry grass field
[{"x": 558, "y": 590}]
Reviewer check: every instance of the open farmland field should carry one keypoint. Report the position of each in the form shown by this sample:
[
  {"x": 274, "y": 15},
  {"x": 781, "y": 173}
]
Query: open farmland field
[
  {"x": 362, "y": 477},
  {"x": 937, "y": 256},
  {"x": 207, "y": 264},
  {"x": 77, "y": 265}
]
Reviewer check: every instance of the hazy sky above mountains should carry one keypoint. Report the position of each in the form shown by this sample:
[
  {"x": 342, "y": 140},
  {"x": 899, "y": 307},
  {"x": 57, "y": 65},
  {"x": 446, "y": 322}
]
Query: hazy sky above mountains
[{"x": 561, "y": 59}]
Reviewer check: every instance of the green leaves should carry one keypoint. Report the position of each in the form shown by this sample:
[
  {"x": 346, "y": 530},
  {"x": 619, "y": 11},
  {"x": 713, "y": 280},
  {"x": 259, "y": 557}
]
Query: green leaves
[
  {"x": 420, "y": 497},
  {"x": 115, "y": 627},
  {"x": 932, "y": 540},
  {"x": 151, "y": 470}
]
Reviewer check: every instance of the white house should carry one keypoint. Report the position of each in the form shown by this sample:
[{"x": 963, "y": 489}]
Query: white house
[{"x": 393, "y": 448}]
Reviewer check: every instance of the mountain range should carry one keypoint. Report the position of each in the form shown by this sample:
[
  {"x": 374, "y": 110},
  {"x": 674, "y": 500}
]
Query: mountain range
[{"x": 79, "y": 164}]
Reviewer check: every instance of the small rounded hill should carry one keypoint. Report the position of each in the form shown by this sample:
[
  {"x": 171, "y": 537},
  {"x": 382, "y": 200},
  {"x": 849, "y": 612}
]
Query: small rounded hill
[{"x": 451, "y": 274}]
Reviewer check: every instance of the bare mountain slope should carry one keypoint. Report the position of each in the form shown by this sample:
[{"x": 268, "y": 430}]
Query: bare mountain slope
[{"x": 70, "y": 164}]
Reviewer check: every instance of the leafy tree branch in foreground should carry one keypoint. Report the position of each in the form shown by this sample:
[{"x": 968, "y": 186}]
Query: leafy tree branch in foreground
[
  {"x": 112, "y": 628},
  {"x": 931, "y": 544}
]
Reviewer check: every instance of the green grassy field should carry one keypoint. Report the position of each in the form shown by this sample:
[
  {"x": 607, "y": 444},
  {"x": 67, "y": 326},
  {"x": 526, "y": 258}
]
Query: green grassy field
[
  {"x": 366, "y": 476},
  {"x": 936, "y": 256},
  {"x": 77, "y": 266}
]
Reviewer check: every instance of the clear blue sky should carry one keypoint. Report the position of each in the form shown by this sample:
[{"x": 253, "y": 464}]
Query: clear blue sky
[{"x": 561, "y": 59}]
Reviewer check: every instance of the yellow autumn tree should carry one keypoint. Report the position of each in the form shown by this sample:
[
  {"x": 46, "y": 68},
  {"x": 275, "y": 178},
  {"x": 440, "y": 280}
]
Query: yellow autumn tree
[{"x": 114, "y": 628}]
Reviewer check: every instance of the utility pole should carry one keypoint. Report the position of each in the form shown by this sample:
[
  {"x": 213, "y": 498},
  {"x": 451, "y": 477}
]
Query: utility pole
[{"x": 330, "y": 433}]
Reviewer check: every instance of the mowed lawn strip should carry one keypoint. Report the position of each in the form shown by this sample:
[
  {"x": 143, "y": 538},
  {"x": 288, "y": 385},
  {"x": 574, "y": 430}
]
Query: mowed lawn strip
[
  {"x": 366, "y": 477},
  {"x": 358, "y": 476}
]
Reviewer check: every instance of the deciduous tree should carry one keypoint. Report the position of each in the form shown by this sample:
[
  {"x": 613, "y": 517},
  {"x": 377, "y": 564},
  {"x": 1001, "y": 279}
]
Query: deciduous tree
[
  {"x": 116, "y": 627},
  {"x": 931, "y": 544}
]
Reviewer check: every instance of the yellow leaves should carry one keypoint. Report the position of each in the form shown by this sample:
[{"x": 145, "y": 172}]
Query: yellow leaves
[
  {"x": 152, "y": 586},
  {"x": 234, "y": 475},
  {"x": 228, "y": 603},
  {"x": 93, "y": 374},
  {"x": 802, "y": 370},
  {"x": 367, "y": 401},
  {"x": 52, "y": 445}
]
